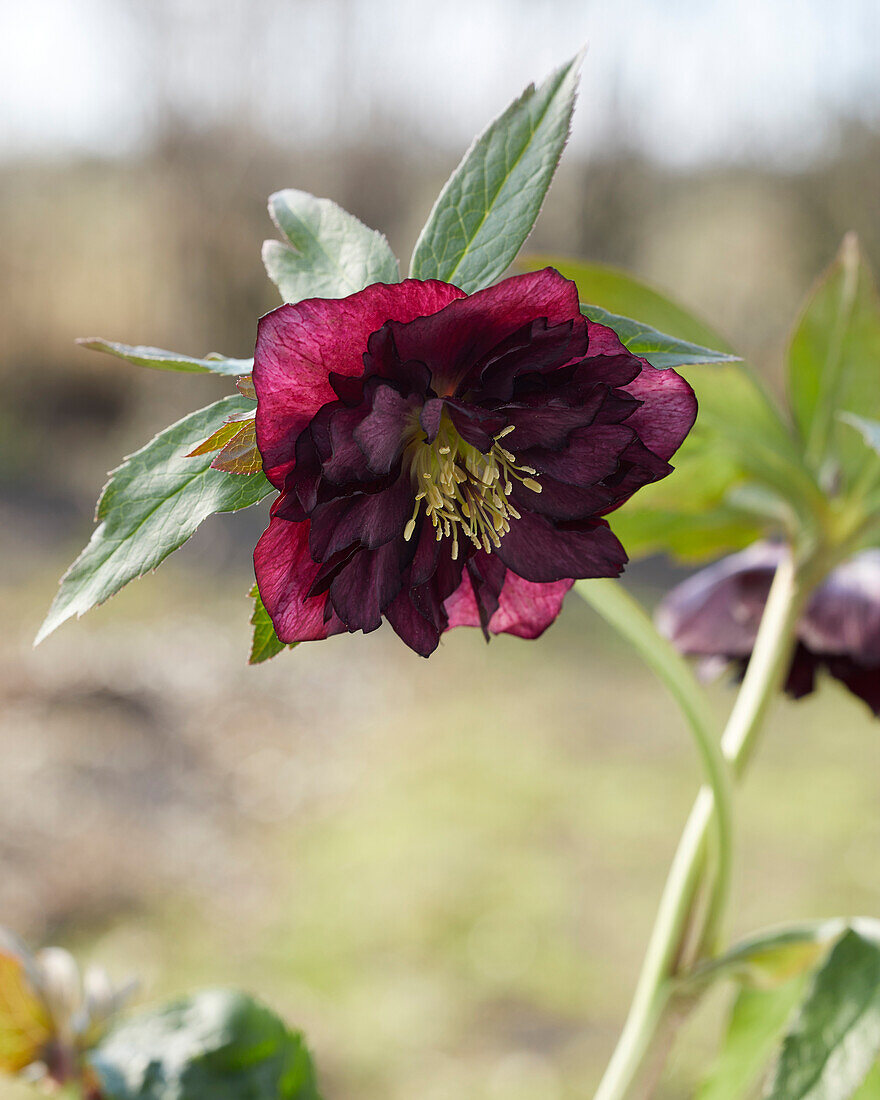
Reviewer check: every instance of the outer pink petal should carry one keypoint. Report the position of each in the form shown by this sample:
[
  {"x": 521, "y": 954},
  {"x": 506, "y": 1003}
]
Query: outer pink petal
[
  {"x": 285, "y": 573},
  {"x": 669, "y": 406},
  {"x": 299, "y": 345},
  {"x": 452, "y": 341},
  {"x": 525, "y": 608}
]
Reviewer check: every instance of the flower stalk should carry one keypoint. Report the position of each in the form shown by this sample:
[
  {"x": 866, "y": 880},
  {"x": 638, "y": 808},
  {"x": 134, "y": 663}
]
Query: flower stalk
[{"x": 655, "y": 987}]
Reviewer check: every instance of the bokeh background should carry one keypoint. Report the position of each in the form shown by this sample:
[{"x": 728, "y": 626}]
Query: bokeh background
[{"x": 444, "y": 871}]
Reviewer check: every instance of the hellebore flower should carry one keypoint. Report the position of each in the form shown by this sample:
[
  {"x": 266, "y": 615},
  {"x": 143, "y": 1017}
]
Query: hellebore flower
[
  {"x": 715, "y": 614},
  {"x": 445, "y": 459}
]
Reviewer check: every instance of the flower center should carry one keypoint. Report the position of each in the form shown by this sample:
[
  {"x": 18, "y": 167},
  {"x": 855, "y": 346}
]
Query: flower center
[{"x": 464, "y": 490}]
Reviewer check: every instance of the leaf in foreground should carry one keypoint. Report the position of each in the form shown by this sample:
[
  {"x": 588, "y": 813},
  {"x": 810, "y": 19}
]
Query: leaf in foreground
[
  {"x": 756, "y": 1022},
  {"x": 150, "y": 506},
  {"x": 488, "y": 206},
  {"x": 219, "y": 1044},
  {"x": 159, "y": 359},
  {"x": 835, "y": 1037},
  {"x": 327, "y": 253},
  {"x": 266, "y": 643}
]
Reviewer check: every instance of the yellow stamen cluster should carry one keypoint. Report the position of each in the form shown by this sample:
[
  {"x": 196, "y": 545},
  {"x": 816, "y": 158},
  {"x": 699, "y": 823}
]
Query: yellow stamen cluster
[{"x": 464, "y": 490}]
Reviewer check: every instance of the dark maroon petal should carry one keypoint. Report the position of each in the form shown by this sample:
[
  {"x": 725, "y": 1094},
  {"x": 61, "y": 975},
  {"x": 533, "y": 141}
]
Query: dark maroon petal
[
  {"x": 861, "y": 681},
  {"x": 669, "y": 406},
  {"x": 411, "y": 626},
  {"x": 285, "y": 573},
  {"x": 539, "y": 550},
  {"x": 452, "y": 341},
  {"x": 717, "y": 611},
  {"x": 475, "y": 426},
  {"x": 638, "y": 467},
  {"x": 383, "y": 432},
  {"x": 299, "y": 345},
  {"x": 370, "y": 519},
  {"x": 843, "y": 617},
  {"x": 801, "y": 679},
  {"x": 366, "y": 586},
  {"x": 345, "y": 460},
  {"x": 548, "y": 427},
  {"x": 592, "y": 453},
  {"x": 383, "y": 360},
  {"x": 487, "y": 573},
  {"x": 667, "y": 413},
  {"x": 536, "y": 348},
  {"x": 524, "y": 608},
  {"x": 432, "y": 412},
  {"x": 564, "y": 502}
]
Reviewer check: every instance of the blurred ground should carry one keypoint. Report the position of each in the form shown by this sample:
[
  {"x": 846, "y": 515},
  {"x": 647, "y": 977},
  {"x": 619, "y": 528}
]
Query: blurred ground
[{"x": 443, "y": 871}]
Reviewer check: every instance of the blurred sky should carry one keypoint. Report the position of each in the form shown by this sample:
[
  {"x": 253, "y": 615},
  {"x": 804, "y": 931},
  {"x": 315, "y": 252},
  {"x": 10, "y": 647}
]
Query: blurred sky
[{"x": 688, "y": 81}]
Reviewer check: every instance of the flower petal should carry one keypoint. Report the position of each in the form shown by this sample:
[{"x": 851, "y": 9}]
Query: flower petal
[
  {"x": 717, "y": 611},
  {"x": 670, "y": 406},
  {"x": 285, "y": 573},
  {"x": 456, "y": 339},
  {"x": 365, "y": 586},
  {"x": 299, "y": 345},
  {"x": 539, "y": 550},
  {"x": 525, "y": 608}
]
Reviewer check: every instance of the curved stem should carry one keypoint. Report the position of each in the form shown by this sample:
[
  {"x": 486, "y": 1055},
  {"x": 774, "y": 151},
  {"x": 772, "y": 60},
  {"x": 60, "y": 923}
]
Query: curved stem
[
  {"x": 764, "y": 676},
  {"x": 620, "y": 610}
]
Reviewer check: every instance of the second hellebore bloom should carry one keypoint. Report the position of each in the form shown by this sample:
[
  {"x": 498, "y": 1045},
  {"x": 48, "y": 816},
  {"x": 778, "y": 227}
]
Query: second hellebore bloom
[
  {"x": 716, "y": 614},
  {"x": 445, "y": 459}
]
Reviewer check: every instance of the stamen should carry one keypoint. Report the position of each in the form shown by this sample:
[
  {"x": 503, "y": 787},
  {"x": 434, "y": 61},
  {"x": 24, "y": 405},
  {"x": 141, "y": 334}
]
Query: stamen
[{"x": 465, "y": 490}]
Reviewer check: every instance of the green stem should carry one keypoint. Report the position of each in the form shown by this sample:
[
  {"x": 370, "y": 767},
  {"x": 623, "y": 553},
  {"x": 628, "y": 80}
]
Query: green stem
[
  {"x": 620, "y": 610},
  {"x": 764, "y": 676}
]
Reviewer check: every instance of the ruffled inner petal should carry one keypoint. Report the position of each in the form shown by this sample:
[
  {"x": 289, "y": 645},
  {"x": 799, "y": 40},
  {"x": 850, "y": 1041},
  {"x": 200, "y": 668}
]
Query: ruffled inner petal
[{"x": 298, "y": 346}]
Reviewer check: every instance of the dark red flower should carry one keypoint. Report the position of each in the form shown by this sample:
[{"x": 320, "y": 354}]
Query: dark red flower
[
  {"x": 715, "y": 614},
  {"x": 445, "y": 459}
]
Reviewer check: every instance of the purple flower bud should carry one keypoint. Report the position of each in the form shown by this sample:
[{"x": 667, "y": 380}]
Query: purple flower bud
[{"x": 715, "y": 614}]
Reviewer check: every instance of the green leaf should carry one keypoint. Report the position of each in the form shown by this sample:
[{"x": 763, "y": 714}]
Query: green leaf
[
  {"x": 168, "y": 360},
  {"x": 217, "y": 1045},
  {"x": 266, "y": 643},
  {"x": 870, "y": 429},
  {"x": 660, "y": 350},
  {"x": 490, "y": 203},
  {"x": 329, "y": 254},
  {"x": 835, "y": 1037},
  {"x": 150, "y": 506},
  {"x": 753, "y": 1031},
  {"x": 834, "y": 360},
  {"x": 620, "y": 293},
  {"x": 776, "y": 955}
]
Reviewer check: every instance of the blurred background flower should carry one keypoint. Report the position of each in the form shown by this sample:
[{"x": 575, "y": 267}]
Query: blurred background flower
[
  {"x": 715, "y": 615},
  {"x": 450, "y": 896}
]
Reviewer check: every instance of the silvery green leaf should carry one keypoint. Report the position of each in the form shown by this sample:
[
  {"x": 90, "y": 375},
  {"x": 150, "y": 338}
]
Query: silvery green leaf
[
  {"x": 150, "y": 506},
  {"x": 168, "y": 360},
  {"x": 490, "y": 203},
  {"x": 327, "y": 252}
]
